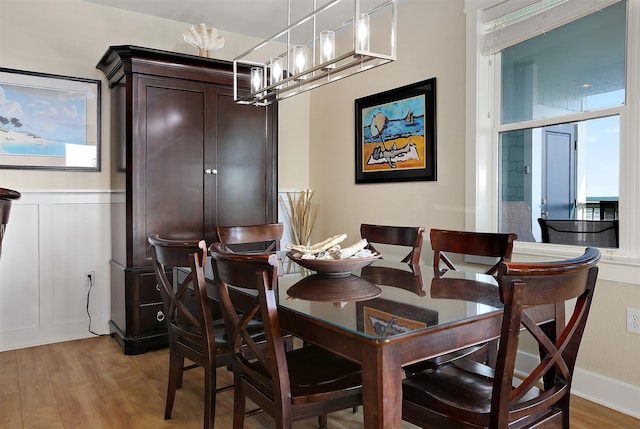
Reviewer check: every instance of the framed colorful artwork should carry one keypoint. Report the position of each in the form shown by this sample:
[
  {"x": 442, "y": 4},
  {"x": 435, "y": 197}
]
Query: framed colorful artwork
[
  {"x": 48, "y": 121},
  {"x": 396, "y": 134},
  {"x": 381, "y": 317}
]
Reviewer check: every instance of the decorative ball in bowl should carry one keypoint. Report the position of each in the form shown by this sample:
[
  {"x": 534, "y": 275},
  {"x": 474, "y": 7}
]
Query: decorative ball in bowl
[{"x": 332, "y": 267}]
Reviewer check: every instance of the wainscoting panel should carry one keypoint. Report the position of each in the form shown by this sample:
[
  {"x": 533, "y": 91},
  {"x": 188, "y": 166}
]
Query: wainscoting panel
[
  {"x": 52, "y": 240},
  {"x": 19, "y": 297}
]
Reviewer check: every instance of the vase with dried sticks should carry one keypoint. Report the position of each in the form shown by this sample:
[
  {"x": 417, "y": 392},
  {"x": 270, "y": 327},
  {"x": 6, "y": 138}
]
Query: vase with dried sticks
[{"x": 301, "y": 214}]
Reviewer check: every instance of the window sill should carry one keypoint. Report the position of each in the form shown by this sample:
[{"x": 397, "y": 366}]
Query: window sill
[{"x": 613, "y": 267}]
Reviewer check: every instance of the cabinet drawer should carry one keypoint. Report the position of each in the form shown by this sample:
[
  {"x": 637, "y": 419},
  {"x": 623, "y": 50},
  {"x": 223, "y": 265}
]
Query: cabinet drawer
[
  {"x": 148, "y": 288},
  {"x": 152, "y": 317}
]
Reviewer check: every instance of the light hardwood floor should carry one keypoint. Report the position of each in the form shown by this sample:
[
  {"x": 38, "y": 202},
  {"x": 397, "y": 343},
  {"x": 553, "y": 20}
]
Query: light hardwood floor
[{"x": 90, "y": 384}]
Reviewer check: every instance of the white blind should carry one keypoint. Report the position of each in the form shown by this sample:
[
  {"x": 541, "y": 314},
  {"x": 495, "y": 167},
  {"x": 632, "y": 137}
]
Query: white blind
[{"x": 508, "y": 22}]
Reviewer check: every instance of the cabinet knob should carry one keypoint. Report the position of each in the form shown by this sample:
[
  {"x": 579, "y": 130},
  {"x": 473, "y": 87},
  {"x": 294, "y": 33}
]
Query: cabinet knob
[
  {"x": 210, "y": 171},
  {"x": 160, "y": 316}
]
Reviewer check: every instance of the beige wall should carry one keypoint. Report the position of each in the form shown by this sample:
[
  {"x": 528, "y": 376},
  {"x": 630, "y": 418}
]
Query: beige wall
[
  {"x": 68, "y": 37},
  {"x": 431, "y": 43}
]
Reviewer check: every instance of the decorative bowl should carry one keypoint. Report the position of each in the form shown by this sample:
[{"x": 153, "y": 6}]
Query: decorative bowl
[{"x": 332, "y": 267}]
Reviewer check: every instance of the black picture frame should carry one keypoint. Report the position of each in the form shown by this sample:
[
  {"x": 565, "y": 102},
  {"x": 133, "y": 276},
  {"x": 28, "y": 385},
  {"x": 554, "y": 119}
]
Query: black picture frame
[
  {"x": 49, "y": 122},
  {"x": 395, "y": 134},
  {"x": 382, "y": 317}
]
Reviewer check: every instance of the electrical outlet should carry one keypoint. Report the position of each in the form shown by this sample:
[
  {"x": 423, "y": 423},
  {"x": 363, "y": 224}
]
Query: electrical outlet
[
  {"x": 633, "y": 320},
  {"x": 89, "y": 278}
]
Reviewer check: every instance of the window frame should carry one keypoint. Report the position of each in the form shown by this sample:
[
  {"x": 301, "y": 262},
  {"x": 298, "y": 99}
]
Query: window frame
[{"x": 482, "y": 146}]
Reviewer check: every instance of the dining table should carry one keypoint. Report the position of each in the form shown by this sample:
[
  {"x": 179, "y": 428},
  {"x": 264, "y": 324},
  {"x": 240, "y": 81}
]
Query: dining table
[{"x": 387, "y": 315}]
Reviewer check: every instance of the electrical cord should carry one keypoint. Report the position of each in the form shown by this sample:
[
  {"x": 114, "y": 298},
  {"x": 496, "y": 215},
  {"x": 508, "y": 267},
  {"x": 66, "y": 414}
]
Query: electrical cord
[{"x": 88, "y": 313}]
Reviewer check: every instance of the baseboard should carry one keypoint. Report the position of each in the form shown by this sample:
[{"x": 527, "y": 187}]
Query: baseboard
[
  {"x": 38, "y": 336},
  {"x": 608, "y": 392},
  {"x": 611, "y": 393}
]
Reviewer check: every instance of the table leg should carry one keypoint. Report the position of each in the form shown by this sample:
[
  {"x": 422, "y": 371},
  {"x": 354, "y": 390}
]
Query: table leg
[{"x": 381, "y": 388}]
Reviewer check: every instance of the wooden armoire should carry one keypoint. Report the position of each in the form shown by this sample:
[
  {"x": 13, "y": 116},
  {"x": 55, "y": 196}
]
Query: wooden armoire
[{"x": 184, "y": 159}]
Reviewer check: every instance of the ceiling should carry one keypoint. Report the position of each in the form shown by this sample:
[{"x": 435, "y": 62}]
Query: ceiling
[{"x": 258, "y": 18}]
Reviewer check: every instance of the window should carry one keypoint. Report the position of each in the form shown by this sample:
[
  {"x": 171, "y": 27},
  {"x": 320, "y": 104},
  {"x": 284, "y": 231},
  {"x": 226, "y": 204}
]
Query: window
[{"x": 553, "y": 134}]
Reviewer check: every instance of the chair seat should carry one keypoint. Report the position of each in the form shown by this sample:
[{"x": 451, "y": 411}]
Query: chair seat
[
  {"x": 474, "y": 352},
  {"x": 220, "y": 333},
  {"x": 461, "y": 388},
  {"x": 313, "y": 372},
  {"x": 255, "y": 329}
]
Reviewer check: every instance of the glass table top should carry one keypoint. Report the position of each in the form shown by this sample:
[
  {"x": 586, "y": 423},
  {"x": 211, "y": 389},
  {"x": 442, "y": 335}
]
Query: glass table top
[{"x": 407, "y": 298}]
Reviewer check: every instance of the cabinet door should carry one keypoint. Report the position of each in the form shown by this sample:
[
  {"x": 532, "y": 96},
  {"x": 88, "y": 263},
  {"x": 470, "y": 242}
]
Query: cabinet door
[
  {"x": 167, "y": 185},
  {"x": 246, "y": 163}
]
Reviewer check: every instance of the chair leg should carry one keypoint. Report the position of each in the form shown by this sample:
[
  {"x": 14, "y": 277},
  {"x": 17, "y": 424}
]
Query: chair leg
[
  {"x": 238, "y": 405},
  {"x": 175, "y": 376},
  {"x": 322, "y": 421},
  {"x": 180, "y": 371},
  {"x": 209, "y": 397}
]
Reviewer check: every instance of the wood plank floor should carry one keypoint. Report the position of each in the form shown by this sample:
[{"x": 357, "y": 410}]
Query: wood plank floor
[{"x": 90, "y": 384}]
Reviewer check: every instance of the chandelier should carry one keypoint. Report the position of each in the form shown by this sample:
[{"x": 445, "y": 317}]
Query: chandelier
[{"x": 336, "y": 40}]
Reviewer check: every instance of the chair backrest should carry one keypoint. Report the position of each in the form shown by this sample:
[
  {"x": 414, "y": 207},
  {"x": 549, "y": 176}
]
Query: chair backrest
[
  {"x": 488, "y": 244},
  {"x": 247, "y": 238},
  {"x": 597, "y": 233},
  {"x": 409, "y": 236},
  {"x": 189, "y": 320},
  {"x": 523, "y": 288},
  {"x": 6, "y": 196},
  {"x": 256, "y": 272}
]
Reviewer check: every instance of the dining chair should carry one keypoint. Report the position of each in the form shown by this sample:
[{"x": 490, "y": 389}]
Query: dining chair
[
  {"x": 445, "y": 242},
  {"x": 246, "y": 238},
  {"x": 6, "y": 197},
  {"x": 288, "y": 385},
  {"x": 408, "y": 236},
  {"x": 467, "y": 394},
  {"x": 258, "y": 238},
  {"x": 192, "y": 331},
  {"x": 597, "y": 233},
  {"x": 487, "y": 244}
]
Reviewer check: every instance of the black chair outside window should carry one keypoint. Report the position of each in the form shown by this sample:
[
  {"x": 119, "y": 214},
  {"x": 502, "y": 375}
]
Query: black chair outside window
[{"x": 594, "y": 233}]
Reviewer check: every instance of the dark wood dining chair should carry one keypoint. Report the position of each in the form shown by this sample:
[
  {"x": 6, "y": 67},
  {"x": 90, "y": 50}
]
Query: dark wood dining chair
[
  {"x": 467, "y": 394},
  {"x": 251, "y": 238},
  {"x": 445, "y": 242},
  {"x": 193, "y": 333},
  {"x": 6, "y": 197},
  {"x": 408, "y": 236},
  {"x": 288, "y": 385}
]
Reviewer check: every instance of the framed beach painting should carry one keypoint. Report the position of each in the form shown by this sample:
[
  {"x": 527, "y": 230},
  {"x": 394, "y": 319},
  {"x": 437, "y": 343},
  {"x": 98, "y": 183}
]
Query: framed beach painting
[
  {"x": 396, "y": 134},
  {"x": 48, "y": 121}
]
